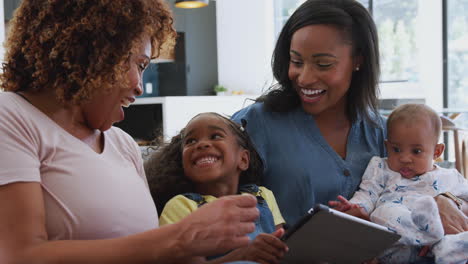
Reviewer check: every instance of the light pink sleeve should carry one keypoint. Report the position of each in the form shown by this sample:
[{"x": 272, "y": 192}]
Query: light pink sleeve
[{"x": 19, "y": 158}]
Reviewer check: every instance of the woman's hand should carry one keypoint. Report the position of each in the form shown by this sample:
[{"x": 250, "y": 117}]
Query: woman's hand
[
  {"x": 264, "y": 249},
  {"x": 219, "y": 226},
  {"x": 453, "y": 219}
]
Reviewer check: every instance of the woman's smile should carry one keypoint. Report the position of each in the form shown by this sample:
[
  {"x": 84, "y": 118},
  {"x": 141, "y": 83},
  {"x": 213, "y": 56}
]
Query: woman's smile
[{"x": 311, "y": 95}]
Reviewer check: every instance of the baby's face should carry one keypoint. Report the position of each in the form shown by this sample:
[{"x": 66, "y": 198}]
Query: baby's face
[{"x": 412, "y": 147}]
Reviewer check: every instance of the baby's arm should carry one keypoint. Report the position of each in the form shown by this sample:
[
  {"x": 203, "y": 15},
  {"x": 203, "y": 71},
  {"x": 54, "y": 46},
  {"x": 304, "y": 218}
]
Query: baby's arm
[
  {"x": 364, "y": 200},
  {"x": 373, "y": 183},
  {"x": 343, "y": 205}
]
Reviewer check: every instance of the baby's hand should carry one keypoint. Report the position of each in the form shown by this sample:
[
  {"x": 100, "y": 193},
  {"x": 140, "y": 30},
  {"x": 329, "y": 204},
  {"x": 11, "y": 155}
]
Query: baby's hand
[
  {"x": 358, "y": 212},
  {"x": 342, "y": 204},
  {"x": 266, "y": 248}
]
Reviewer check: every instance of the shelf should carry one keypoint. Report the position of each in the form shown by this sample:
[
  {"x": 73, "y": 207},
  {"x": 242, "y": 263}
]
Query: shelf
[
  {"x": 173, "y": 112},
  {"x": 149, "y": 100}
]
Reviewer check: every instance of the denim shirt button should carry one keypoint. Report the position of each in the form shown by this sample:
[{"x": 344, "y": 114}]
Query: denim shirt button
[{"x": 346, "y": 172}]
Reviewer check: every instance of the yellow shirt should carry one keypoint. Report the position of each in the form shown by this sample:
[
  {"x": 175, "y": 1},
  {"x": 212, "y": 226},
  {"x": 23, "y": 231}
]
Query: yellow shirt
[{"x": 180, "y": 206}]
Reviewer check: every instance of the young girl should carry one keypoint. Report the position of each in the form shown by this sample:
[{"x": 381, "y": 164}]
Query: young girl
[{"x": 213, "y": 157}]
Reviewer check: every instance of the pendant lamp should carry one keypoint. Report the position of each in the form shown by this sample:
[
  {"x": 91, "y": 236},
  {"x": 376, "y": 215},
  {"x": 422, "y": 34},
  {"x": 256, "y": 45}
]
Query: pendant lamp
[{"x": 191, "y": 3}]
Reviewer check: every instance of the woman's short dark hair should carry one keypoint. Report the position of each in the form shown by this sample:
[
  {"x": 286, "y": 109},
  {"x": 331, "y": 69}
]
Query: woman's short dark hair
[
  {"x": 165, "y": 172},
  {"x": 357, "y": 26}
]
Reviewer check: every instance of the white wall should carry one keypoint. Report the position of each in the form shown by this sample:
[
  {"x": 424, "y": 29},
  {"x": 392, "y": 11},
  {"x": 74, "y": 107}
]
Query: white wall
[
  {"x": 245, "y": 36},
  {"x": 175, "y": 117}
]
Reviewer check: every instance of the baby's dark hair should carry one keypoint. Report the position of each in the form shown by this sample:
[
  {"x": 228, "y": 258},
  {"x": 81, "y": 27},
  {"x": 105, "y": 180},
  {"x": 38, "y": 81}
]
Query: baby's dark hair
[
  {"x": 164, "y": 168},
  {"x": 409, "y": 113}
]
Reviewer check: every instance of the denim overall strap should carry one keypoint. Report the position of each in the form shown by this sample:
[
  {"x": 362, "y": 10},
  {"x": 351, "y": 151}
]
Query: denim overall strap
[
  {"x": 196, "y": 197},
  {"x": 200, "y": 200},
  {"x": 250, "y": 188},
  {"x": 265, "y": 222}
]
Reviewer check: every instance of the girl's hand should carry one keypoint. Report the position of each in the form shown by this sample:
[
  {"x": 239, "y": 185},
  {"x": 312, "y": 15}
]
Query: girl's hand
[
  {"x": 265, "y": 248},
  {"x": 453, "y": 219},
  {"x": 342, "y": 204}
]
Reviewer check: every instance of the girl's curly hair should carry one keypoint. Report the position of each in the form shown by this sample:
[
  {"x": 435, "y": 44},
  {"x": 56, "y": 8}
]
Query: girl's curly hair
[
  {"x": 165, "y": 172},
  {"x": 77, "y": 47}
]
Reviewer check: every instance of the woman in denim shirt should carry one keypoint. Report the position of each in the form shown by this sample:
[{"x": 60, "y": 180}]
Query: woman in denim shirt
[
  {"x": 317, "y": 129},
  {"x": 319, "y": 126}
]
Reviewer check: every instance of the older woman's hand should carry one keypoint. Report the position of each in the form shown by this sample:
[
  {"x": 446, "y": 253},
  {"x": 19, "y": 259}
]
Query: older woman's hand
[
  {"x": 453, "y": 219},
  {"x": 219, "y": 226}
]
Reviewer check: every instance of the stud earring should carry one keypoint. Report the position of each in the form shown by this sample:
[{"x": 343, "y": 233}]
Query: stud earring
[{"x": 357, "y": 68}]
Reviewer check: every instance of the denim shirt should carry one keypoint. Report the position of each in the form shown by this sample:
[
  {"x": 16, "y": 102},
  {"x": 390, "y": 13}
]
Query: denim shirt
[{"x": 301, "y": 168}]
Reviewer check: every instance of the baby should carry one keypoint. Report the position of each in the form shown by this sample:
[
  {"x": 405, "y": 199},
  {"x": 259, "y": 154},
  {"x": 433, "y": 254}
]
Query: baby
[{"x": 398, "y": 192}]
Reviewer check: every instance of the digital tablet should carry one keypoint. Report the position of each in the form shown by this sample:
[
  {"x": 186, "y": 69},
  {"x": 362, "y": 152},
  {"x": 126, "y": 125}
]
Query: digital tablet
[{"x": 325, "y": 235}]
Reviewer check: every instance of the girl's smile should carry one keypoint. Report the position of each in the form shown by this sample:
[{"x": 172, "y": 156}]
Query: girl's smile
[
  {"x": 205, "y": 161},
  {"x": 211, "y": 153}
]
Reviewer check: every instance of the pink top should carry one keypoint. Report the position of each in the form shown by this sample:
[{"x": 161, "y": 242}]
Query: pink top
[{"x": 87, "y": 195}]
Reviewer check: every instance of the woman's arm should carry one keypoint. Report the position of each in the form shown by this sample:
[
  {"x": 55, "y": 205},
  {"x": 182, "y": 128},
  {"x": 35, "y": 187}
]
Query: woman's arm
[
  {"x": 464, "y": 207},
  {"x": 453, "y": 219},
  {"x": 215, "y": 228}
]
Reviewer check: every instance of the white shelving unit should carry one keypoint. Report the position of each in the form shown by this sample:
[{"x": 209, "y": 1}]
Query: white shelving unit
[{"x": 178, "y": 110}]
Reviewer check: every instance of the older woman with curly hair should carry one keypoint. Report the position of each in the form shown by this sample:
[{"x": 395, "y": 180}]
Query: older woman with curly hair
[{"x": 72, "y": 187}]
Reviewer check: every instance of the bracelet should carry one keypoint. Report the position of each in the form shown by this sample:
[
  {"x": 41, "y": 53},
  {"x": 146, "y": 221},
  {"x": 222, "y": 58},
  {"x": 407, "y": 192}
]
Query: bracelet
[{"x": 452, "y": 197}]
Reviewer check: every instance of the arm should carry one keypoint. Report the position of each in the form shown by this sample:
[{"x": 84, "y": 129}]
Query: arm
[
  {"x": 343, "y": 205},
  {"x": 461, "y": 191},
  {"x": 465, "y": 207},
  {"x": 23, "y": 235},
  {"x": 453, "y": 219},
  {"x": 372, "y": 185}
]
